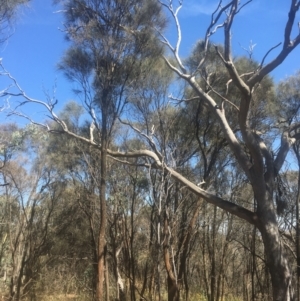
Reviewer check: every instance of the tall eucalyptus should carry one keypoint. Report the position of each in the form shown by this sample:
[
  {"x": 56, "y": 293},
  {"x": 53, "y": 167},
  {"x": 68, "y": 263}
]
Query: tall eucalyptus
[{"x": 110, "y": 42}]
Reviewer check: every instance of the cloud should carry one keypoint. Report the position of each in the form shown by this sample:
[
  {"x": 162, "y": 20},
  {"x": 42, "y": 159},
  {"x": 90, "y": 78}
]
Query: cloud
[{"x": 192, "y": 8}]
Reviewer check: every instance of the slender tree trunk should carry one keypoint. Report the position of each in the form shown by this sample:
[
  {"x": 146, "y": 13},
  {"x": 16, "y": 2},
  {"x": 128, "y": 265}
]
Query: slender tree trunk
[
  {"x": 253, "y": 264},
  {"x": 106, "y": 279},
  {"x": 102, "y": 230},
  {"x": 296, "y": 151},
  {"x": 173, "y": 285},
  {"x": 152, "y": 251},
  {"x": 151, "y": 287},
  {"x": 213, "y": 258},
  {"x": 205, "y": 244},
  {"x": 298, "y": 235},
  {"x": 131, "y": 261},
  {"x": 173, "y": 290},
  {"x": 220, "y": 281},
  {"x": 246, "y": 272},
  {"x": 120, "y": 287},
  {"x": 184, "y": 245},
  {"x": 145, "y": 277}
]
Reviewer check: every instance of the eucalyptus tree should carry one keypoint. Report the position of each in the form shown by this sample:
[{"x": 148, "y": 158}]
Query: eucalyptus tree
[
  {"x": 110, "y": 40},
  {"x": 27, "y": 204},
  {"x": 254, "y": 156},
  {"x": 215, "y": 162},
  {"x": 11, "y": 144},
  {"x": 288, "y": 113}
]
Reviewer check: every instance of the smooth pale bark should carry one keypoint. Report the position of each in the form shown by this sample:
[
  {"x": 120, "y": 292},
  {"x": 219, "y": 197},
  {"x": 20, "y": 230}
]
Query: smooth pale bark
[
  {"x": 276, "y": 258},
  {"x": 281, "y": 276}
]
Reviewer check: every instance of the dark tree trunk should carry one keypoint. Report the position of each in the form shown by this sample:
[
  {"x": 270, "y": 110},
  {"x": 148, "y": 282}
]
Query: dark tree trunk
[
  {"x": 102, "y": 230},
  {"x": 296, "y": 151},
  {"x": 173, "y": 290},
  {"x": 213, "y": 257},
  {"x": 173, "y": 286},
  {"x": 184, "y": 245}
]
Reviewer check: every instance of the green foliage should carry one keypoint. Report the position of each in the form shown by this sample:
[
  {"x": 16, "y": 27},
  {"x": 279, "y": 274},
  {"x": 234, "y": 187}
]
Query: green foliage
[
  {"x": 288, "y": 95},
  {"x": 71, "y": 114},
  {"x": 76, "y": 61},
  {"x": 215, "y": 79},
  {"x": 8, "y": 12},
  {"x": 12, "y": 140},
  {"x": 111, "y": 40}
]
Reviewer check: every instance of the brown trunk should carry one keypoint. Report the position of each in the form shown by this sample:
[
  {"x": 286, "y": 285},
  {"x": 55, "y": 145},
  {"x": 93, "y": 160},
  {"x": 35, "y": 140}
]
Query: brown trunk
[
  {"x": 145, "y": 277},
  {"x": 204, "y": 257},
  {"x": 184, "y": 245},
  {"x": 173, "y": 290},
  {"x": 102, "y": 230},
  {"x": 220, "y": 281},
  {"x": 297, "y": 239},
  {"x": 213, "y": 258},
  {"x": 173, "y": 286},
  {"x": 106, "y": 279},
  {"x": 297, "y": 153}
]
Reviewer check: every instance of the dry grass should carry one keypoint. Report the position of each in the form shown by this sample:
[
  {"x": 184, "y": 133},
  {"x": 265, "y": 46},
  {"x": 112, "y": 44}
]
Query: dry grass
[{"x": 64, "y": 297}]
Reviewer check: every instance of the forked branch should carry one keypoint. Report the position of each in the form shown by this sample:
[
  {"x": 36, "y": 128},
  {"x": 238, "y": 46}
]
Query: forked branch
[{"x": 289, "y": 44}]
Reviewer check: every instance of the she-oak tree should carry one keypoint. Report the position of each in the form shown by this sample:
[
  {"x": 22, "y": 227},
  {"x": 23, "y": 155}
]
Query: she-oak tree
[{"x": 252, "y": 153}]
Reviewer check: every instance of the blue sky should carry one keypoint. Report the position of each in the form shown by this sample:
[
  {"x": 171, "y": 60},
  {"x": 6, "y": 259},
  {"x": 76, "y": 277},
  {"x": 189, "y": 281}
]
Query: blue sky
[{"x": 33, "y": 51}]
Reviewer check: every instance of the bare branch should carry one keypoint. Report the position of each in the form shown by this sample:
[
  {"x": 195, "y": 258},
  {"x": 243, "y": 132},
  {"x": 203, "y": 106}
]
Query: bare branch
[
  {"x": 210, "y": 31},
  {"x": 180, "y": 100},
  {"x": 215, "y": 200},
  {"x": 45, "y": 126},
  {"x": 263, "y": 60},
  {"x": 227, "y": 52},
  {"x": 228, "y": 132},
  {"x": 243, "y": 6},
  {"x": 176, "y": 70},
  {"x": 209, "y": 197},
  {"x": 230, "y": 80},
  {"x": 221, "y": 96},
  {"x": 175, "y": 49},
  {"x": 129, "y": 163},
  {"x": 137, "y": 154},
  {"x": 148, "y": 138},
  {"x": 288, "y": 46}
]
